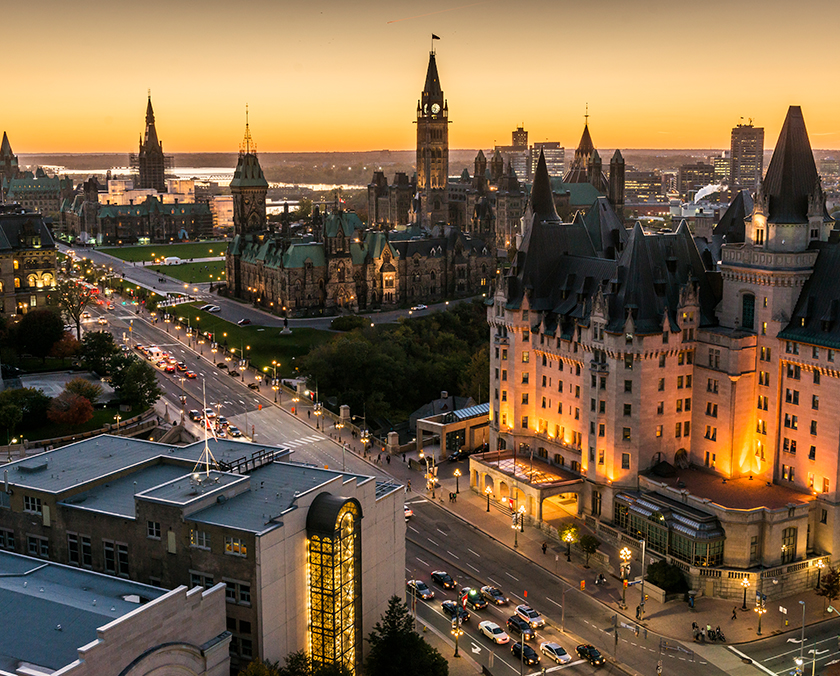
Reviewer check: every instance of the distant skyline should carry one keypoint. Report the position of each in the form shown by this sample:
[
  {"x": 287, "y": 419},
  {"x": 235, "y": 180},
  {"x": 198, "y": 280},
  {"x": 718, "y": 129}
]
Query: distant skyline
[{"x": 346, "y": 77}]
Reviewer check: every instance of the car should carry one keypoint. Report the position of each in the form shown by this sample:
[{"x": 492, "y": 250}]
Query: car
[
  {"x": 234, "y": 431},
  {"x": 516, "y": 625},
  {"x": 244, "y": 321},
  {"x": 555, "y": 652},
  {"x": 254, "y": 386},
  {"x": 408, "y": 512},
  {"x": 460, "y": 455},
  {"x": 221, "y": 421},
  {"x": 494, "y": 595},
  {"x": 233, "y": 374},
  {"x": 419, "y": 589},
  {"x": 86, "y": 315},
  {"x": 454, "y": 610},
  {"x": 531, "y": 616},
  {"x": 220, "y": 432},
  {"x": 213, "y": 308},
  {"x": 181, "y": 366},
  {"x": 195, "y": 416},
  {"x": 444, "y": 579},
  {"x": 419, "y": 307},
  {"x": 493, "y": 631},
  {"x": 206, "y": 307},
  {"x": 169, "y": 368},
  {"x": 474, "y": 598},
  {"x": 590, "y": 654},
  {"x": 191, "y": 374},
  {"x": 102, "y": 320},
  {"x": 209, "y": 413},
  {"x": 222, "y": 365},
  {"x": 525, "y": 653}
]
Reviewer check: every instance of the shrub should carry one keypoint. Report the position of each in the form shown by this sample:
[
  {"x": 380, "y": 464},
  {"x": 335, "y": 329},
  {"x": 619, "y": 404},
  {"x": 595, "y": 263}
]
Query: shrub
[
  {"x": 348, "y": 323},
  {"x": 667, "y": 577}
]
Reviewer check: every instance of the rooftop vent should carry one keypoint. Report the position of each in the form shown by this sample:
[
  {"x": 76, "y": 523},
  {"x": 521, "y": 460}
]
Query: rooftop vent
[{"x": 33, "y": 466}]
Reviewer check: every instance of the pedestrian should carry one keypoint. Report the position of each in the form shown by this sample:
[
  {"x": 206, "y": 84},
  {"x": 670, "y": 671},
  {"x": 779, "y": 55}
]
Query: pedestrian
[
  {"x": 409, "y": 485},
  {"x": 638, "y": 612},
  {"x": 388, "y": 459},
  {"x": 735, "y": 613},
  {"x": 309, "y": 414},
  {"x": 403, "y": 457},
  {"x": 379, "y": 459},
  {"x": 544, "y": 547}
]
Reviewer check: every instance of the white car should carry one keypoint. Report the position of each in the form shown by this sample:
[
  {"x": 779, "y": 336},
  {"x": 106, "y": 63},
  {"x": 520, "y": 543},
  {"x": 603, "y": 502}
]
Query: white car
[
  {"x": 408, "y": 512},
  {"x": 531, "y": 616},
  {"x": 419, "y": 307},
  {"x": 214, "y": 308},
  {"x": 493, "y": 631},
  {"x": 555, "y": 652},
  {"x": 102, "y": 320}
]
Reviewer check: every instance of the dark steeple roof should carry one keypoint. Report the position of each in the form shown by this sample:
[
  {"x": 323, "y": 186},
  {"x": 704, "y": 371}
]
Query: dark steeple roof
[
  {"x": 151, "y": 137},
  {"x": 605, "y": 229},
  {"x": 617, "y": 157},
  {"x": 585, "y": 146},
  {"x": 432, "y": 86},
  {"x": 542, "y": 200},
  {"x": 6, "y": 148},
  {"x": 792, "y": 175},
  {"x": 731, "y": 224}
]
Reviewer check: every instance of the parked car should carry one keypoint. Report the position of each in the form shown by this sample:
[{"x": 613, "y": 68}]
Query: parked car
[
  {"x": 191, "y": 374},
  {"x": 460, "y": 455},
  {"x": 555, "y": 652},
  {"x": 233, "y": 374},
  {"x": 244, "y": 321},
  {"x": 493, "y": 631},
  {"x": 531, "y": 616},
  {"x": 494, "y": 595},
  {"x": 444, "y": 579},
  {"x": 419, "y": 589},
  {"x": 529, "y": 656},
  {"x": 222, "y": 365},
  {"x": 590, "y": 654},
  {"x": 254, "y": 386},
  {"x": 234, "y": 431},
  {"x": 475, "y": 599},
  {"x": 419, "y": 307},
  {"x": 213, "y": 308},
  {"x": 195, "y": 416},
  {"x": 454, "y": 610},
  {"x": 516, "y": 625},
  {"x": 408, "y": 512}
]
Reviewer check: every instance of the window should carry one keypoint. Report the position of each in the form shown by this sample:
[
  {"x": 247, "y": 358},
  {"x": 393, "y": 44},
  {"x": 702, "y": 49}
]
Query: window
[
  {"x": 791, "y": 348},
  {"x": 791, "y": 397},
  {"x": 662, "y": 359},
  {"x": 812, "y": 453},
  {"x": 714, "y": 359},
  {"x": 525, "y": 357},
  {"x": 625, "y": 461},
  {"x": 831, "y": 355},
  {"x": 153, "y": 529},
  {"x": 826, "y": 485},
  {"x": 815, "y": 402},
  {"x": 791, "y": 421},
  {"x": 237, "y": 592},
  {"x": 544, "y": 381},
  {"x": 761, "y": 426},
  {"x": 816, "y": 375},
  {"x": 680, "y": 381},
  {"x": 711, "y": 409},
  {"x": 504, "y": 374},
  {"x": 237, "y": 547},
  {"x": 814, "y": 427},
  {"x": 823, "y": 516},
  {"x": 764, "y": 378},
  {"x": 504, "y": 395},
  {"x": 748, "y": 311},
  {"x": 686, "y": 428},
  {"x": 687, "y": 404},
  {"x": 628, "y": 385},
  {"x": 711, "y": 433},
  {"x": 712, "y": 386},
  {"x": 660, "y": 408},
  {"x": 788, "y": 545},
  {"x": 628, "y": 361},
  {"x": 525, "y": 398},
  {"x": 200, "y": 580},
  {"x": 543, "y": 402},
  {"x": 762, "y": 402},
  {"x": 789, "y": 445},
  {"x": 525, "y": 378},
  {"x": 628, "y": 409},
  {"x": 524, "y": 422},
  {"x": 73, "y": 552},
  {"x": 678, "y": 430},
  {"x": 603, "y": 384},
  {"x": 31, "y": 504},
  {"x": 602, "y": 406},
  {"x": 794, "y": 372},
  {"x": 788, "y": 472},
  {"x": 199, "y": 539},
  {"x": 600, "y": 456},
  {"x": 765, "y": 354},
  {"x": 592, "y": 405},
  {"x": 815, "y": 352},
  {"x": 810, "y": 479},
  {"x": 596, "y": 503},
  {"x": 602, "y": 430},
  {"x": 661, "y": 385},
  {"x": 625, "y": 433},
  {"x": 7, "y": 539},
  {"x": 577, "y": 391},
  {"x": 681, "y": 359},
  {"x": 504, "y": 354},
  {"x": 679, "y": 405},
  {"x": 38, "y": 547},
  {"x": 659, "y": 430}
]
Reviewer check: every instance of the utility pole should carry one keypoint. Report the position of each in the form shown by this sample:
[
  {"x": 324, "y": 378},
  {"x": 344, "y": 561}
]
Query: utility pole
[{"x": 642, "y": 602}]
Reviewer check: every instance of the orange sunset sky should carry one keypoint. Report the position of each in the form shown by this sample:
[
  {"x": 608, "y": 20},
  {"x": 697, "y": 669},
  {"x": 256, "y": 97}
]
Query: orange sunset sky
[{"x": 331, "y": 75}]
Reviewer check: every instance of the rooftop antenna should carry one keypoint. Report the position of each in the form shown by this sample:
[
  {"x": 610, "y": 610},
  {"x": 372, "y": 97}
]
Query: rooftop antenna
[{"x": 206, "y": 458}]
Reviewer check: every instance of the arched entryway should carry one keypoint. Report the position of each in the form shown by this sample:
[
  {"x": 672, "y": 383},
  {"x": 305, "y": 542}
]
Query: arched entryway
[{"x": 559, "y": 507}]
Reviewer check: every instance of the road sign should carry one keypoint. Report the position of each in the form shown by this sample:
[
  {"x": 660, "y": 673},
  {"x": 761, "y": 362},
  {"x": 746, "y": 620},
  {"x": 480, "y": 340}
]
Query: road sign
[
  {"x": 583, "y": 585},
  {"x": 631, "y": 583}
]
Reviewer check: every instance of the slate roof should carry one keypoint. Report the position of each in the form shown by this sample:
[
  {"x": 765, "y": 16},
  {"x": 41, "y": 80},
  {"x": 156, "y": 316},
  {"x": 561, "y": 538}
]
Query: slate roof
[
  {"x": 11, "y": 225},
  {"x": 732, "y": 224},
  {"x": 432, "y": 86},
  {"x": 6, "y": 147},
  {"x": 348, "y": 221},
  {"x": 816, "y": 317},
  {"x": 152, "y": 205},
  {"x": 605, "y": 229},
  {"x": 21, "y": 185},
  {"x": 585, "y": 146},
  {"x": 792, "y": 175},
  {"x": 582, "y": 194},
  {"x": 151, "y": 132}
]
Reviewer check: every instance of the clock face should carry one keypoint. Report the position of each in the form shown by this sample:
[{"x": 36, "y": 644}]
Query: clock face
[
  {"x": 435, "y": 108},
  {"x": 425, "y": 108}
]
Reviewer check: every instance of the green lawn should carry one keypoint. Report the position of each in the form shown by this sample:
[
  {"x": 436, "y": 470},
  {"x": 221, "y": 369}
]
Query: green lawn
[
  {"x": 193, "y": 273},
  {"x": 50, "y": 430},
  {"x": 261, "y": 347},
  {"x": 153, "y": 251}
]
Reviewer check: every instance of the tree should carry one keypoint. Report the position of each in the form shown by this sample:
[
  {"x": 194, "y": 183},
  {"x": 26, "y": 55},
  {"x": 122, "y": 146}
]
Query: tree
[
  {"x": 73, "y": 298},
  {"x": 137, "y": 383},
  {"x": 261, "y": 668},
  {"x": 589, "y": 544},
  {"x": 68, "y": 346},
  {"x": 395, "y": 648},
  {"x": 39, "y": 331},
  {"x": 475, "y": 378},
  {"x": 98, "y": 349},
  {"x": 829, "y": 584},
  {"x": 70, "y": 409},
  {"x": 30, "y": 402},
  {"x": 10, "y": 417},
  {"x": 84, "y": 388}
]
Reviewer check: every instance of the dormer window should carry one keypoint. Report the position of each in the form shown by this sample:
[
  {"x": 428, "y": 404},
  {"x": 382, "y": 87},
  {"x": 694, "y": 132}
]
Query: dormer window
[
  {"x": 759, "y": 237},
  {"x": 628, "y": 338}
]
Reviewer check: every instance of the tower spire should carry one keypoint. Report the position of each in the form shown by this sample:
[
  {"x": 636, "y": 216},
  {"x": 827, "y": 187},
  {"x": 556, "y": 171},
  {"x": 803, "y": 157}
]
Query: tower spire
[
  {"x": 586, "y": 115},
  {"x": 247, "y": 142}
]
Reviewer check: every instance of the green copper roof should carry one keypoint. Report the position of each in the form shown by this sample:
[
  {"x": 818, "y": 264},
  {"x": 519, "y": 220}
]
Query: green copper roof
[
  {"x": 297, "y": 255},
  {"x": 581, "y": 194},
  {"x": 152, "y": 205},
  {"x": 248, "y": 173},
  {"x": 348, "y": 221}
]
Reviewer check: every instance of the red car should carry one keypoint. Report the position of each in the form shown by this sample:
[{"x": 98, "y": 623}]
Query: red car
[
  {"x": 170, "y": 368},
  {"x": 191, "y": 374}
]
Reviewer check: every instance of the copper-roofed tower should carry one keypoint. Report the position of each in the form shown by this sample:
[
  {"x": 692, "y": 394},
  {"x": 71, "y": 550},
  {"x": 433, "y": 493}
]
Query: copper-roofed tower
[
  {"x": 151, "y": 164},
  {"x": 432, "y": 149}
]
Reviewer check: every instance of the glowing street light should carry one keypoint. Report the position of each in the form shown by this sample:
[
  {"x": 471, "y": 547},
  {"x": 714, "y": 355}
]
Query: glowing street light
[
  {"x": 569, "y": 538},
  {"x": 745, "y": 583},
  {"x": 820, "y": 565},
  {"x": 457, "y": 477},
  {"x": 760, "y": 610},
  {"x": 487, "y": 492},
  {"x": 625, "y": 555}
]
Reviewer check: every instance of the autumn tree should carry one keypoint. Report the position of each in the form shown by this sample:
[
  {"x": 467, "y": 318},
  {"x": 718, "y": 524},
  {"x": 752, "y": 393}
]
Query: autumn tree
[
  {"x": 68, "y": 346},
  {"x": 73, "y": 298},
  {"x": 70, "y": 409},
  {"x": 84, "y": 388}
]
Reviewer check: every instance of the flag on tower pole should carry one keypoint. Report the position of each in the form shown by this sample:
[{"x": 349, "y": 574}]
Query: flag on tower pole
[{"x": 435, "y": 37}]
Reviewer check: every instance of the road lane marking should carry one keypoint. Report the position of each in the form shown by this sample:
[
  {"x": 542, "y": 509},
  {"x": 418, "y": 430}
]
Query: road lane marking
[
  {"x": 473, "y": 567},
  {"x": 492, "y": 581},
  {"x": 554, "y": 602},
  {"x": 441, "y": 532},
  {"x": 453, "y": 555},
  {"x": 414, "y": 529},
  {"x": 754, "y": 662},
  {"x": 421, "y": 561},
  {"x": 511, "y": 576},
  {"x": 472, "y": 552},
  {"x": 433, "y": 542}
]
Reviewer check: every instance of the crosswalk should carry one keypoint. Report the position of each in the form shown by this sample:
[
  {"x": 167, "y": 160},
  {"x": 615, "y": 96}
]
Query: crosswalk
[{"x": 303, "y": 441}]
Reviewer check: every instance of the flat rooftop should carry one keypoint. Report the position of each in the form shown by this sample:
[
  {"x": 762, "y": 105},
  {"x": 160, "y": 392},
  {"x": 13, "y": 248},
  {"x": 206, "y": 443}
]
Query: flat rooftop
[
  {"x": 50, "y": 610},
  {"x": 536, "y": 473},
  {"x": 733, "y": 493},
  {"x": 185, "y": 489}
]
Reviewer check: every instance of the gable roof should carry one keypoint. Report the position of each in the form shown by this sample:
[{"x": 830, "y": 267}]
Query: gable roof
[{"x": 606, "y": 230}]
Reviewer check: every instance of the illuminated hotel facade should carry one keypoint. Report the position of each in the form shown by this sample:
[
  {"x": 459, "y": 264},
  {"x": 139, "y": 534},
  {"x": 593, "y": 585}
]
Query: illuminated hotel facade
[
  {"x": 691, "y": 405},
  {"x": 309, "y": 556}
]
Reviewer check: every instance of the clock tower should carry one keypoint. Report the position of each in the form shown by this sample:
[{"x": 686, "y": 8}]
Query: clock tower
[
  {"x": 432, "y": 150},
  {"x": 249, "y": 189}
]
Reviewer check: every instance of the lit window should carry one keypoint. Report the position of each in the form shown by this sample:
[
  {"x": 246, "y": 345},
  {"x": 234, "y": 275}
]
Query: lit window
[{"x": 235, "y": 546}]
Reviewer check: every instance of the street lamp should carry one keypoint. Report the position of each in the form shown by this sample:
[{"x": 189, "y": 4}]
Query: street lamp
[
  {"x": 522, "y": 518},
  {"x": 487, "y": 492},
  {"x": 515, "y": 527},
  {"x": 802, "y": 637},
  {"x": 760, "y": 610},
  {"x": 430, "y": 478},
  {"x": 118, "y": 417},
  {"x": 458, "y": 476},
  {"x": 318, "y": 412},
  {"x": 457, "y": 632},
  {"x": 569, "y": 537},
  {"x": 820, "y": 565},
  {"x": 625, "y": 554},
  {"x": 745, "y": 583}
]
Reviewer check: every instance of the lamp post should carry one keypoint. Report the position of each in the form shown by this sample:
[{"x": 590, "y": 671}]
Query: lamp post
[
  {"x": 487, "y": 492},
  {"x": 569, "y": 538},
  {"x": 745, "y": 583},
  {"x": 522, "y": 518},
  {"x": 430, "y": 479},
  {"x": 802, "y": 636},
  {"x": 318, "y": 412},
  {"x": 820, "y": 565},
  {"x": 118, "y": 417},
  {"x": 625, "y": 554},
  {"x": 456, "y": 632},
  {"x": 760, "y": 610},
  {"x": 515, "y": 527},
  {"x": 642, "y": 602},
  {"x": 457, "y": 488}
]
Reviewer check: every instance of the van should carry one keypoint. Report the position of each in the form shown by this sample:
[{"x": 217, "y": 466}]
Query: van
[{"x": 172, "y": 260}]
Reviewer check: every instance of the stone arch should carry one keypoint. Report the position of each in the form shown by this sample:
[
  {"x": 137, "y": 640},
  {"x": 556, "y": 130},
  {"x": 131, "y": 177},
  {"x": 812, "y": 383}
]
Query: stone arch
[
  {"x": 681, "y": 458},
  {"x": 504, "y": 491},
  {"x": 172, "y": 659}
]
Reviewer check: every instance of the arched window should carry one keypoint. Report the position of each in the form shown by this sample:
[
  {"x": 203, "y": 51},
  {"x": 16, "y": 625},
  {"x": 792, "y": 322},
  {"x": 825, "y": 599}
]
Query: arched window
[
  {"x": 17, "y": 265},
  {"x": 17, "y": 281},
  {"x": 748, "y": 311}
]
